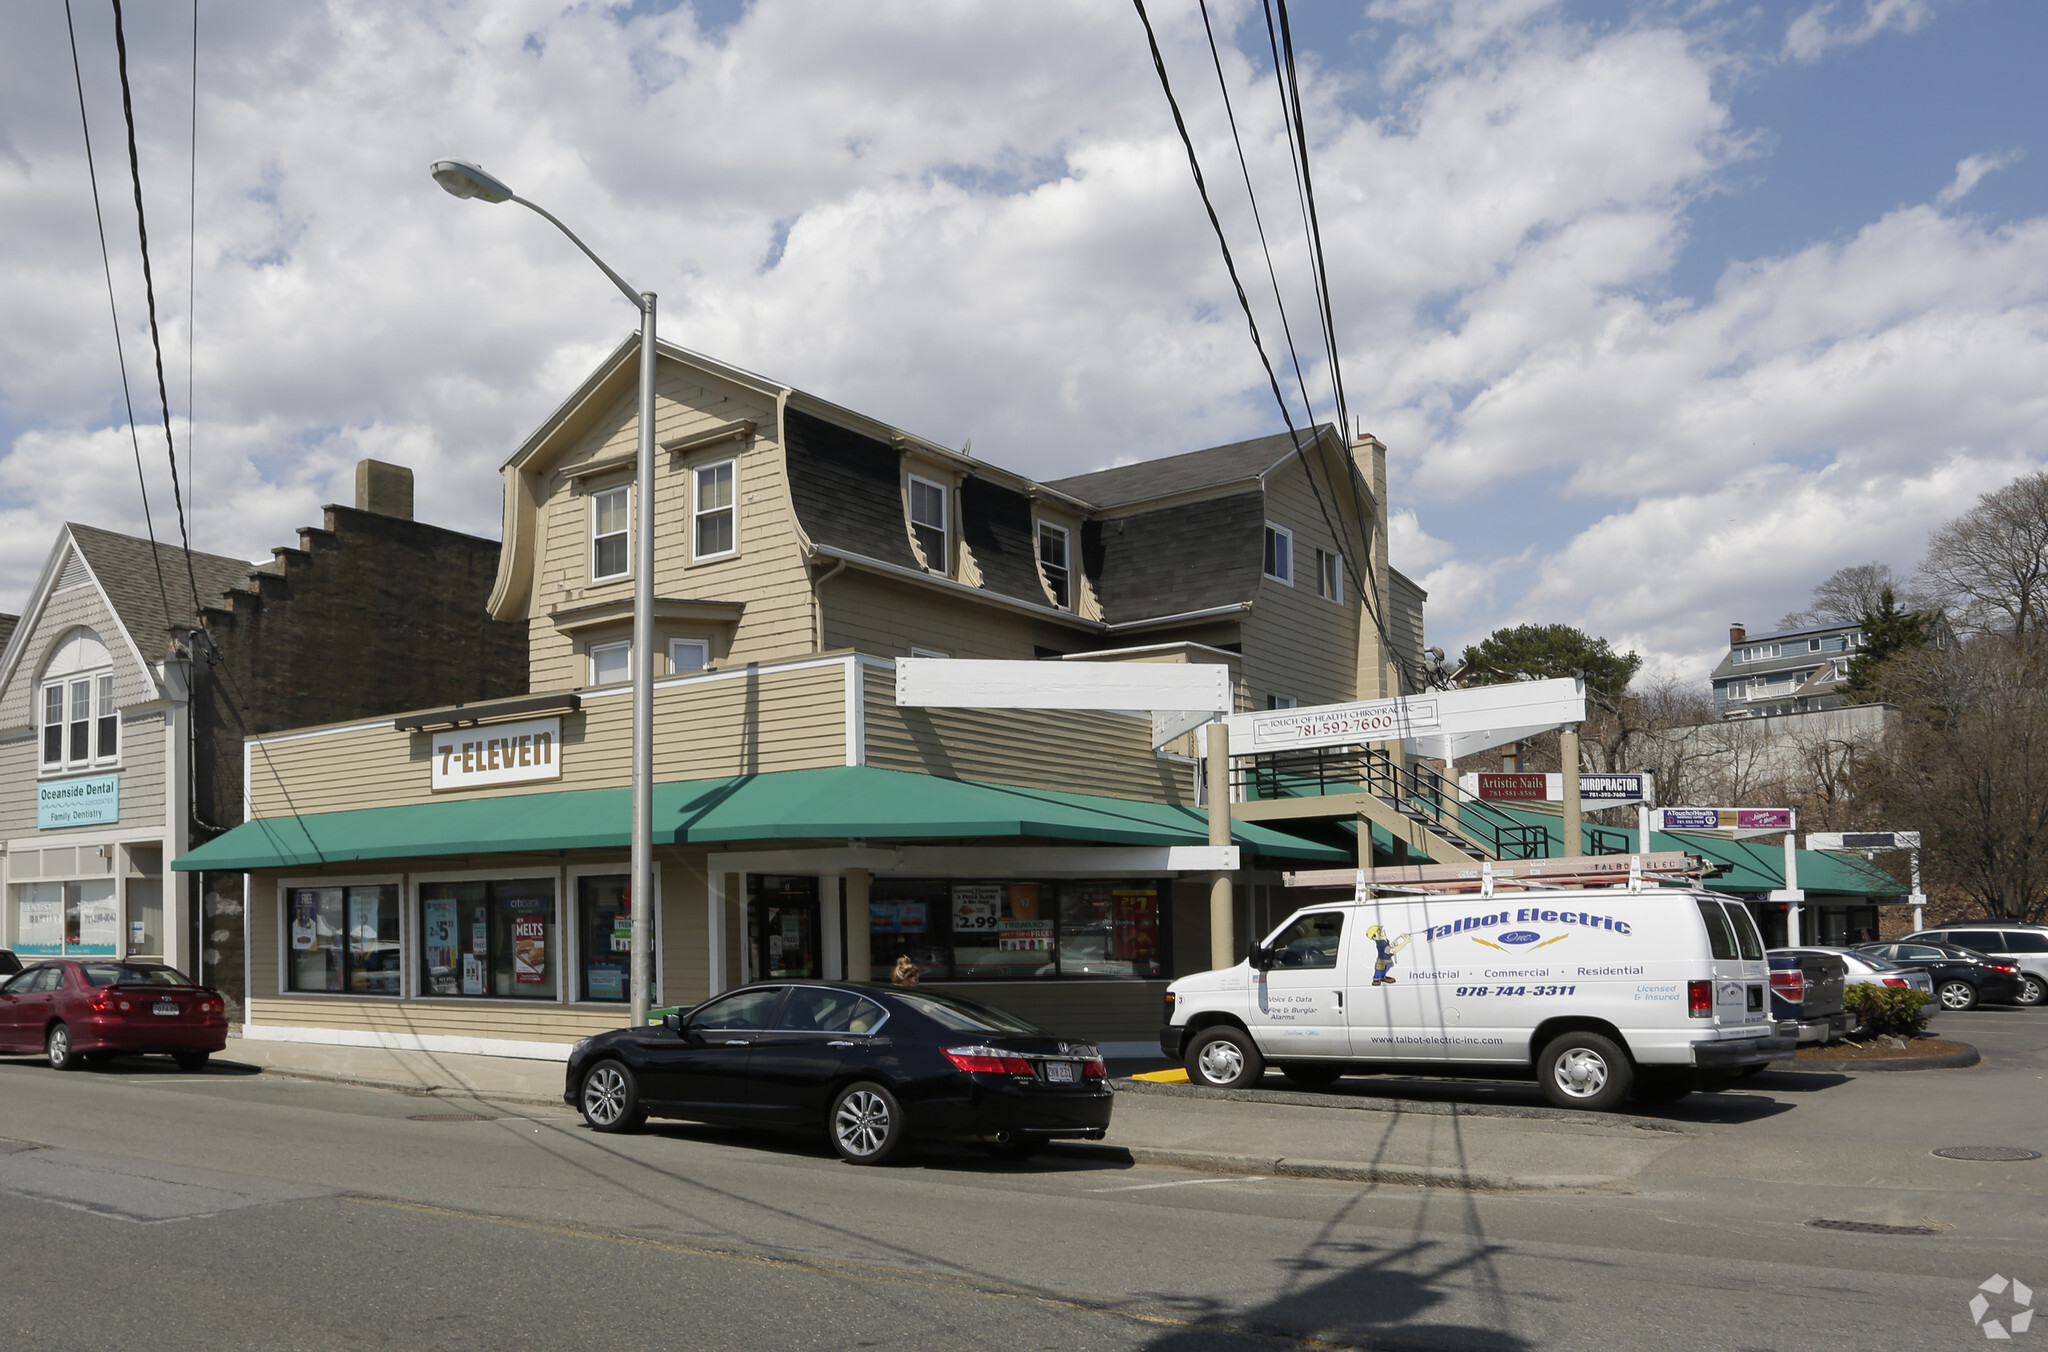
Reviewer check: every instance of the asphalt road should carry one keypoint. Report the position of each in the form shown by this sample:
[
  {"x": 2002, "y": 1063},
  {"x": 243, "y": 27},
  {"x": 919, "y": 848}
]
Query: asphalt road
[{"x": 226, "y": 1211}]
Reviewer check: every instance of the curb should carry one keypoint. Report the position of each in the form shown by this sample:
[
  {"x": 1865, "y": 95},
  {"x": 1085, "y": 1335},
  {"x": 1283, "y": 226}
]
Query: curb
[
  {"x": 414, "y": 1090},
  {"x": 1407, "y": 1175},
  {"x": 1953, "y": 1061},
  {"x": 1417, "y": 1107}
]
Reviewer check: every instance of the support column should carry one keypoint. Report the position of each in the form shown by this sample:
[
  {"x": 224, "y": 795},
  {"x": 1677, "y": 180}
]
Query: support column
[
  {"x": 1793, "y": 895},
  {"x": 1222, "y": 913},
  {"x": 1568, "y": 756},
  {"x": 854, "y": 889},
  {"x": 831, "y": 961},
  {"x": 714, "y": 928}
]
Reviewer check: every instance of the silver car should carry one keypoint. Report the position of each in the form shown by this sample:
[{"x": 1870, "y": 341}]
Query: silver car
[{"x": 2023, "y": 946}]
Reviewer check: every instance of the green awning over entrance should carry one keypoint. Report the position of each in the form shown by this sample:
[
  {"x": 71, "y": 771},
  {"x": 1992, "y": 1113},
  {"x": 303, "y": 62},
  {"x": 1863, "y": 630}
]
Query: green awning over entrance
[{"x": 850, "y": 802}]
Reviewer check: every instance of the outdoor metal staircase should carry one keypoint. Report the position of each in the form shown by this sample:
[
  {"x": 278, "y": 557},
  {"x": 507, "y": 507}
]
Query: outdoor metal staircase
[{"x": 1413, "y": 803}]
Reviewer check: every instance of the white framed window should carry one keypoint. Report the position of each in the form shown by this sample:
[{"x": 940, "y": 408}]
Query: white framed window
[
  {"x": 714, "y": 521},
  {"x": 928, "y": 523},
  {"x": 1052, "y": 564},
  {"x": 611, "y": 663},
  {"x": 928, "y": 652},
  {"x": 1330, "y": 576},
  {"x": 81, "y": 726},
  {"x": 611, "y": 534},
  {"x": 1279, "y": 553},
  {"x": 1282, "y": 702},
  {"x": 686, "y": 655}
]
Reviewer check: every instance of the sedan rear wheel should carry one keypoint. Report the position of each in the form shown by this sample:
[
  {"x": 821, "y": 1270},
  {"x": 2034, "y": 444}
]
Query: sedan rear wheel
[
  {"x": 867, "y": 1124},
  {"x": 1957, "y": 995},
  {"x": 58, "y": 1048},
  {"x": 610, "y": 1100}
]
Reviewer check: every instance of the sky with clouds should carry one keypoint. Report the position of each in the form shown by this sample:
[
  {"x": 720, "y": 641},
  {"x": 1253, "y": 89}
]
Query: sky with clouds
[{"x": 1665, "y": 310}]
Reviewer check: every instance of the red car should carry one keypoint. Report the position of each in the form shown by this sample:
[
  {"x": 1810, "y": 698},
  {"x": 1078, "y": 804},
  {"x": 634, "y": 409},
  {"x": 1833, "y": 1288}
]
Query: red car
[{"x": 76, "y": 1011}]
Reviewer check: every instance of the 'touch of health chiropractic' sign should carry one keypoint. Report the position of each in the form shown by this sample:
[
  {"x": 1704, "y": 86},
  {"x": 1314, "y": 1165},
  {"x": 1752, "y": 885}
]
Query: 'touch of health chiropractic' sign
[{"x": 498, "y": 753}]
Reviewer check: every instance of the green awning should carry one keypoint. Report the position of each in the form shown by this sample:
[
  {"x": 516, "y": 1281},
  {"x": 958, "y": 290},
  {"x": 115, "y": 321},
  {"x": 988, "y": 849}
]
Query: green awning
[
  {"x": 1753, "y": 866},
  {"x": 849, "y": 802}
]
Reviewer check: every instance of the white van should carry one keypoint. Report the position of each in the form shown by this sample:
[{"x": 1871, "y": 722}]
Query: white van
[{"x": 1601, "y": 992}]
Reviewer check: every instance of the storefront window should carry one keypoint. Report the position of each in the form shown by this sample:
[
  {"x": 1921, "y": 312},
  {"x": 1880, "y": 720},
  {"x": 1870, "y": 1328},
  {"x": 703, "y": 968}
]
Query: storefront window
[
  {"x": 605, "y": 925},
  {"x": 53, "y": 919},
  {"x": 344, "y": 940},
  {"x": 782, "y": 926},
  {"x": 489, "y": 938},
  {"x": 1016, "y": 931}
]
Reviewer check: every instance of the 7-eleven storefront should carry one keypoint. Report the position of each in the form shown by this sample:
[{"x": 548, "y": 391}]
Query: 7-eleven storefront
[{"x": 492, "y": 917}]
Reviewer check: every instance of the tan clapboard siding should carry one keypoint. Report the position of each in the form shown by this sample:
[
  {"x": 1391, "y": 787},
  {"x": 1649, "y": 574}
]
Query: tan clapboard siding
[
  {"x": 1079, "y": 752},
  {"x": 884, "y": 617},
  {"x": 1295, "y": 642},
  {"x": 508, "y": 1019},
  {"x": 64, "y": 611},
  {"x": 141, "y": 770},
  {"x": 774, "y": 719},
  {"x": 262, "y": 935},
  {"x": 685, "y": 952},
  {"x": 1404, "y": 620},
  {"x": 1100, "y": 1011},
  {"x": 767, "y": 574}
]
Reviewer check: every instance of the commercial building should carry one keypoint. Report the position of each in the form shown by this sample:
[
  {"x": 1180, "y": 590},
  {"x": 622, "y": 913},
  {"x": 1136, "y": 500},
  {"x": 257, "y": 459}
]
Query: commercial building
[{"x": 455, "y": 878}]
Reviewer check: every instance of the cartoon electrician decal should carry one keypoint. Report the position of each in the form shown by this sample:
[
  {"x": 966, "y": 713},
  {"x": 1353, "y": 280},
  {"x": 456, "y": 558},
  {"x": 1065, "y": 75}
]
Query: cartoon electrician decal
[{"x": 1383, "y": 963}]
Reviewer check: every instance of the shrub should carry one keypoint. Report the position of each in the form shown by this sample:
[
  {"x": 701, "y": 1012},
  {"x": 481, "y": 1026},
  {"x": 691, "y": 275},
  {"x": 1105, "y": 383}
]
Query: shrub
[{"x": 1900, "y": 1011}]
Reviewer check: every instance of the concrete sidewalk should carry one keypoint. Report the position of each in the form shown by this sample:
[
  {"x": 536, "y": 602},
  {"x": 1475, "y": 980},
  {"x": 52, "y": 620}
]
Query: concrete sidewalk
[{"x": 1267, "y": 1133}]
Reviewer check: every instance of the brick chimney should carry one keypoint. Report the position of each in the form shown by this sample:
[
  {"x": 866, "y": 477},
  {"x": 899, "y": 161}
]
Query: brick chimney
[
  {"x": 1736, "y": 633},
  {"x": 384, "y": 488}
]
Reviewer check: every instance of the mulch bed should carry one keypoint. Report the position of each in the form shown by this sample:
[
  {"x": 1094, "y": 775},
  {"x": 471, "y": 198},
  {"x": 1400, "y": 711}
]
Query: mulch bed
[{"x": 1879, "y": 1051}]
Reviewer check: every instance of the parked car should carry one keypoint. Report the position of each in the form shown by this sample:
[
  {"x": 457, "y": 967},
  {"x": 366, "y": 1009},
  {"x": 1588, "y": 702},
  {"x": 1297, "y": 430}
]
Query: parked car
[
  {"x": 9, "y": 964},
  {"x": 1962, "y": 977},
  {"x": 1868, "y": 969},
  {"x": 874, "y": 1067},
  {"x": 1806, "y": 990},
  {"x": 2024, "y": 946},
  {"x": 78, "y": 1011}
]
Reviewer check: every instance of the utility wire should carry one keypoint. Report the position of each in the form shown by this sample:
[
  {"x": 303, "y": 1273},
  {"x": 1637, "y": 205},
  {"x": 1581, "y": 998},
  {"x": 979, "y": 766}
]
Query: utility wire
[
  {"x": 149, "y": 290},
  {"x": 92, "y": 175},
  {"x": 192, "y": 268},
  {"x": 1315, "y": 228}
]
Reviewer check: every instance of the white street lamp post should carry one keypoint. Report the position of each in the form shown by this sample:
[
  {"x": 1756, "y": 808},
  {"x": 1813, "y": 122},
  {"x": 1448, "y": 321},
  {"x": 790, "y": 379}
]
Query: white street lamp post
[{"x": 463, "y": 179}]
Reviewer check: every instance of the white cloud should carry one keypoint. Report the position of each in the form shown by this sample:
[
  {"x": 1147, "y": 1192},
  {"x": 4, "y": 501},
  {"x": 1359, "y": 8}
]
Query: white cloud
[
  {"x": 1970, "y": 171},
  {"x": 1811, "y": 35}
]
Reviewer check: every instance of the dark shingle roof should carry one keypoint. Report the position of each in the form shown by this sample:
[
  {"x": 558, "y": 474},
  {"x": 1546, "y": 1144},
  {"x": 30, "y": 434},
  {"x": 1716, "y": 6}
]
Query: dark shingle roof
[
  {"x": 1127, "y": 484},
  {"x": 124, "y": 567},
  {"x": 996, "y": 524},
  {"x": 7, "y": 626},
  {"x": 1192, "y": 557},
  {"x": 846, "y": 490}
]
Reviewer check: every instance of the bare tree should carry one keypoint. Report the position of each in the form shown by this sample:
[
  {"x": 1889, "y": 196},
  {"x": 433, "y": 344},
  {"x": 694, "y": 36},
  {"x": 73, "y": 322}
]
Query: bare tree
[
  {"x": 1989, "y": 566},
  {"x": 1846, "y": 595}
]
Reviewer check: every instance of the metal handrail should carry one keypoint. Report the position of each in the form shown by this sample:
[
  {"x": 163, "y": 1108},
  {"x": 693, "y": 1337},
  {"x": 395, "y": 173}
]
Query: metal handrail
[{"x": 1323, "y": 770}]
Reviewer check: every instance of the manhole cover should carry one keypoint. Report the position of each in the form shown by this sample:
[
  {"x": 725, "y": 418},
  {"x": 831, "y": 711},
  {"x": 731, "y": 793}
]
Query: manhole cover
[
  {"x": 1987, "y": 1153},
  {"x": 451, "y": 1117},
  {"x": 1873, "y": 1228}
]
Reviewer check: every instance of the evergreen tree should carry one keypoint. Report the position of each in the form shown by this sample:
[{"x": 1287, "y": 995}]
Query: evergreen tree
[
  {"x": 1887, "y": 632},
  {"x": 1550, "y": 650}
]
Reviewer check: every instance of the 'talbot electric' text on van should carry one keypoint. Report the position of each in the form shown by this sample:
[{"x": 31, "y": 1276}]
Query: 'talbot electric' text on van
[{"x": 1601, "y": 992}]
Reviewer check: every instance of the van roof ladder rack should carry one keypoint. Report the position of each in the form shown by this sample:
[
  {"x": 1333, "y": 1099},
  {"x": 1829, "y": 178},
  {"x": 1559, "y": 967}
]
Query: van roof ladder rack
[{"x": 1484, "y": 875}]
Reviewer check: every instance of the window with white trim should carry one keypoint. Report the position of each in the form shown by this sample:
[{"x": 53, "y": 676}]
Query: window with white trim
[
  {"x": 1052, "y": 564},
  {"x": 686, "y": 655},
  {"x": 1282, "y": 702},
  {"x": 611, "y": 663},
  {"x": 1280, "y": 553},
  {"x": 929, "y": 652},
  {"x": 610, "y": 533},
  {"x": 928, "y": 523},
  {"x": 1330, "y": 576},
  {"x": 81, "y": 727},
  {"x": 714, "y": 518}
]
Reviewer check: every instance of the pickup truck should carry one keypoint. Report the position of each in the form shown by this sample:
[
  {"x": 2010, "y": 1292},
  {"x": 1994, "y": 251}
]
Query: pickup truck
[{"x": 1806, "y": 991}]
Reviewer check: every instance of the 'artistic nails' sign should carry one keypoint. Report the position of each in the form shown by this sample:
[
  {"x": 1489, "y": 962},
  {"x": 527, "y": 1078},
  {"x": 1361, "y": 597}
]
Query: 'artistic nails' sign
[{"x": 498, "y": 753}]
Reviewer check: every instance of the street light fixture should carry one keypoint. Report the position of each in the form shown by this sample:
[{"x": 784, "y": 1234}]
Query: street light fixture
[{"x": 463, "y": 179}]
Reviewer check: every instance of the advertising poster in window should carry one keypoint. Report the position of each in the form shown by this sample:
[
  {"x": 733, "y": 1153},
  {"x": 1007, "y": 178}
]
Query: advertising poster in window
[
  {"x": 305, "y": 919},
  {"x": 1135, "y": 938},
  {"x": 437, "y": 937},
  {"x": 529, "y": 949},
  {"x": 977, "y": 909}
]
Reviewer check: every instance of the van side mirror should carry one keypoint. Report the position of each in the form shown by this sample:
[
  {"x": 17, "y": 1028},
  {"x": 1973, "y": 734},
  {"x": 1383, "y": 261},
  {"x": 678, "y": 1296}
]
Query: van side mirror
[{"x": 1260, "y": 957}]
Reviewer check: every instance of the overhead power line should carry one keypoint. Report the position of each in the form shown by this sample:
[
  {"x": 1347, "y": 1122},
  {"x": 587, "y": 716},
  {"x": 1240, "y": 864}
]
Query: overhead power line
[
  {"x": 149, "y": 290},
  {"x": 92, "y": 175}
]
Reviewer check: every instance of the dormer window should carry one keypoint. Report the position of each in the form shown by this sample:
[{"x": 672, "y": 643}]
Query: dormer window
[
  {"x": 80, "y": 725},
  {"x": 713, "y": 512},
  {"x": 1052, "y": 564},
  {"x": 928, "y": 523},
  {"x": 610, "y": 534}
]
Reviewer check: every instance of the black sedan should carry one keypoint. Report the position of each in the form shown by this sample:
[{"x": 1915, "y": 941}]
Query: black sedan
[
  {"x": 1962, "y": 977},
  {"x": 875, "y": 1067}
]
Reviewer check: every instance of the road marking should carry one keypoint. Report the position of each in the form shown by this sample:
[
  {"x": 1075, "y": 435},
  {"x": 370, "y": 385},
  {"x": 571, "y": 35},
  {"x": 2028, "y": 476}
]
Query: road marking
[{"x": 1182, "y": 1183}]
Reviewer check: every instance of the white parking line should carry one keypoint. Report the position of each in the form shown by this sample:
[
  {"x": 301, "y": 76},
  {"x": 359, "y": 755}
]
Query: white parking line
[{"x": 1181, "y": 1183}]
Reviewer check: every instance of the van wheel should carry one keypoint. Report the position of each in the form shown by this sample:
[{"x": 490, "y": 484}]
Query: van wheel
[
  {"x": 1584, "y": 1070},
  {"x": 1224, "y": 1057},
  {"x": 1661, "y": 1087},
  {"x": 1312, "y": 1077}
]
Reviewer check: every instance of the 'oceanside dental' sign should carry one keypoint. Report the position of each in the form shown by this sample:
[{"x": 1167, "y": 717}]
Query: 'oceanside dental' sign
[
  {"x": 78, "y": 802},
  {"x": 498, "y": 753}
]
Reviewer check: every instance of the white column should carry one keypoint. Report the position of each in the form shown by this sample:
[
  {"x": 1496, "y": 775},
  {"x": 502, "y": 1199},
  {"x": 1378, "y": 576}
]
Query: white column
[
  {"x": 714, "y": 927},
  {"x": 178, "y": 920},
  {"x": 831, "y": 960},
  {"x": 1793, "y": 895}
]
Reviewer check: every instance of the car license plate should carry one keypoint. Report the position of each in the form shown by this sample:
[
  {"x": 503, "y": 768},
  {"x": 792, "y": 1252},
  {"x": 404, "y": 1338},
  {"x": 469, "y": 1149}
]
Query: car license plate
[
  {"x": 164, "y": 1007},
  {"x": 1059, "y": 1072}
]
